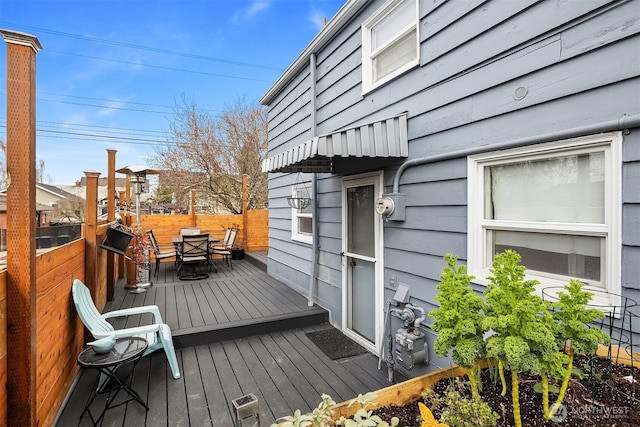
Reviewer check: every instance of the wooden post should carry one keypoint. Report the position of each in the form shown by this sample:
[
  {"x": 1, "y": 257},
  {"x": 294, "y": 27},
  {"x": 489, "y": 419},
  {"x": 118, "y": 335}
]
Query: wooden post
[
  {"x": 91, "y": 246},
  {"x": 121, "y": 259},
  {"x": 127, "y": 190},
  {"x": 131, "y": 274},
  {"x": 111, "y": 216},
  {"x": 245, "y": 213},
  {"x": 21, "y": 228},
  {"x": 192, "y": 208}
]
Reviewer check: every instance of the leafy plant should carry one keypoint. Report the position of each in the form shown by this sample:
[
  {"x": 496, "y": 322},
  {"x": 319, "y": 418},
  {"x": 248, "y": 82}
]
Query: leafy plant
[
  {"x": 459, "y": 320},
  {"x": 572, "y": 317},
  {"x": 457, "y": 411},
  {"x": 364, "y": 417},
  {"x": 321, "y": 416},
  {"x": 523, "y": 334}
]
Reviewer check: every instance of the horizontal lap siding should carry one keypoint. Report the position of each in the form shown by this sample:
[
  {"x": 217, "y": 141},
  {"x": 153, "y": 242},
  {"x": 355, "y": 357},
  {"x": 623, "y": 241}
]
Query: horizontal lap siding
[{"x": 580, "y": 64}]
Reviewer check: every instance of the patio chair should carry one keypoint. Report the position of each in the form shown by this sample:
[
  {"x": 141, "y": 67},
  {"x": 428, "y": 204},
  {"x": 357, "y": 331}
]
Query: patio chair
[
  {"x": 158, "y": 334},
  {"x": 224, "y": 250},
  {"x": 223, "y": 244},
  {"x": 194, "y": 249},
  {"x": 161, "y": 254},
  {"x": 189, "y": 231}
]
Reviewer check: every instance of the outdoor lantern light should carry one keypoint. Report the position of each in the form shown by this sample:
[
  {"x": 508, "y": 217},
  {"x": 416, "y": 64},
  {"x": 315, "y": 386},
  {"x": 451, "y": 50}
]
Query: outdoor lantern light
[{"x": 245, "y": 408}]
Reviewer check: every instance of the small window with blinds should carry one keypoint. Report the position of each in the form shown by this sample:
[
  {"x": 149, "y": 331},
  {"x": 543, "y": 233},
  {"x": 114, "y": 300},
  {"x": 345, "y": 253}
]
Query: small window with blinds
[{"x": 390, "y": 43}]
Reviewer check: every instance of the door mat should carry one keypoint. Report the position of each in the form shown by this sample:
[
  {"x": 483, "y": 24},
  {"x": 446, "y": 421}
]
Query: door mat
[{"x": 335, "y": 344}]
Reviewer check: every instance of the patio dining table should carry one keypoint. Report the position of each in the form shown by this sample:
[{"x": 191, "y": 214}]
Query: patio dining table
[
  {"x": 177, "y": 240},
  {"x": 177, "y": 243}
]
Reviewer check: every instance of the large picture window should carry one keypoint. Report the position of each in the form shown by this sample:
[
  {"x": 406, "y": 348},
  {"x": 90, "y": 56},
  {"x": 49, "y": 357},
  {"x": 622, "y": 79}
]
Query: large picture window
[
  {"x": 389, "y": 43},
  {"x": 557, "y": 204},
  {"x": 301, "y": 219}
]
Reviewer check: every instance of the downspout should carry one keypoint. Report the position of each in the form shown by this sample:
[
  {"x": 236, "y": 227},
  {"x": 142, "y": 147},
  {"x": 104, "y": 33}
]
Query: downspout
[
  {"x": 625, "y": 122},
  {"x": 314, "y": 190}
]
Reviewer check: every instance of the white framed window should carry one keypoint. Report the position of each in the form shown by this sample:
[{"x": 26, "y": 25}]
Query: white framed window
[
  {"x": 390, "y": 43},
  {"x": 557, "y": 204},
  {"x": 301, "y": 219}
]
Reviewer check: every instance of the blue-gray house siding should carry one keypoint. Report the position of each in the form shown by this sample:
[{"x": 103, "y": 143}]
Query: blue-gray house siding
[{"x": 579, "y": 61}]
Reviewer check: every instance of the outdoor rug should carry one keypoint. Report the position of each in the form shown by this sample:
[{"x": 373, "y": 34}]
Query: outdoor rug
[{"x": 335, "y": 344}]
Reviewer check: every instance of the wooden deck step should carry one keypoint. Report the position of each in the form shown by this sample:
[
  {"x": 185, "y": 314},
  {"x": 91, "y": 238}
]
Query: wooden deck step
[
  {"x": 208, "y": 334},
  {"x": 257, "y": 258},
  {"x": 229, "y": 304}
]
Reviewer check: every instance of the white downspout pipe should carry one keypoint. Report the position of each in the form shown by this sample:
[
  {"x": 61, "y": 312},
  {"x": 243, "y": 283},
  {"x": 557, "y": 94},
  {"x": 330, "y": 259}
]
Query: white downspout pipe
[{"x": 314, "y": 187}]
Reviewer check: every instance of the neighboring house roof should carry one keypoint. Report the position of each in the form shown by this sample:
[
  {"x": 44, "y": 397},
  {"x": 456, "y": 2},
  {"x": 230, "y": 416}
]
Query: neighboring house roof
[
  {"x": 3, "y": 204},
  {"x": 56, "y": 191}
]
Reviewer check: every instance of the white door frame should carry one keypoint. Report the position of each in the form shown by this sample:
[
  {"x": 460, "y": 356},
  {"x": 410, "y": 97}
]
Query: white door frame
[{"x": 375, "y": 179}]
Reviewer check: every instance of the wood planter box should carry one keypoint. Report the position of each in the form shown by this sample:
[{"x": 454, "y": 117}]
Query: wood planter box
[
  {"x": 410, "y": 390},
  {"x": 402, "y": 393}
]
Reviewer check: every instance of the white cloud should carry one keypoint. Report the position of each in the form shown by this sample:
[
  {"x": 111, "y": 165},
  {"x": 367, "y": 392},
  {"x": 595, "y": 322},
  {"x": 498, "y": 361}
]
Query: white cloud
[{"x": 256, "y": 7}]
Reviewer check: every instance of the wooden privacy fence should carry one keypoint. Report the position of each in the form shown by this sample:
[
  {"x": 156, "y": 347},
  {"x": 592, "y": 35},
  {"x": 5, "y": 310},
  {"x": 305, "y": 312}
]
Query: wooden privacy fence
[
  {"x": 257, "y": 229},
  {"x": 59, "y": 334}
]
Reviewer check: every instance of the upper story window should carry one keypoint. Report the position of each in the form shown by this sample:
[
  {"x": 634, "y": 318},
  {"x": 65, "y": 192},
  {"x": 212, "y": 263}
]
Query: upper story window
[
  {"x": 557, "y": 204},
  {"x": 389, "y": 43},
  {"x": 301, "y": 219}
]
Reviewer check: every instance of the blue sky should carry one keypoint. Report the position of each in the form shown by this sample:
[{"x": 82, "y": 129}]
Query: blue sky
[{"x": 111, "y": 72}]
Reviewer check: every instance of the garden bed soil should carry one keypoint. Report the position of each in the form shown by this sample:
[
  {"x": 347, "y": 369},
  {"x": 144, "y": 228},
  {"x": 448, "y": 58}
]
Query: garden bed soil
[{"x": 604, "y": 398}]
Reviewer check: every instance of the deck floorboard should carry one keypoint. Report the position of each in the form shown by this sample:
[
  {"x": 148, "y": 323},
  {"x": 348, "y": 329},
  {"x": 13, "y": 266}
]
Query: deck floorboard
[{"x": 283, "y": 368}]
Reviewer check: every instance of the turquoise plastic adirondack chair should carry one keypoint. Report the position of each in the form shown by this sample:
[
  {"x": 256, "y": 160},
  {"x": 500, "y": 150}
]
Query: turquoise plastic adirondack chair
[{"x": 158, "y": 335}]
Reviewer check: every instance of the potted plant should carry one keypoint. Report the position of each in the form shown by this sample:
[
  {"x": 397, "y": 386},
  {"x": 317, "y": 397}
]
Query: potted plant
[{"x": 140, "y": 255}]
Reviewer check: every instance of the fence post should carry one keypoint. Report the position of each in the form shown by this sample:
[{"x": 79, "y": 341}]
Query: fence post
[
  {"x": 21, "y": 332},
  {"x": 121, "y": 259},
  {"x": 192, "y": 207},
  {"x": 111, "y": 216},
  {"x": 245, "y": 213},
  {"x": 91, "y": 238}
]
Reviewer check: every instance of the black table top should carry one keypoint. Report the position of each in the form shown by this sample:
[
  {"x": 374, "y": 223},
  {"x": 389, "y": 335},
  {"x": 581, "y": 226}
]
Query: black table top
[{"x": 125, "y": 350}]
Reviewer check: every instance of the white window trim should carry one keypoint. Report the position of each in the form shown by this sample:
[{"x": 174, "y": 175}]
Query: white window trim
[
  {"x": 295, "y": 215},
  {"x": 476, "y": 236},
  {"x": 367, "y": 55}
]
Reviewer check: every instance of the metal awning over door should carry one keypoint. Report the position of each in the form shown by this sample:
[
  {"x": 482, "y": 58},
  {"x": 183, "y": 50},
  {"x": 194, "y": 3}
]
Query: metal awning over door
[{"x": 383, "y": 138}]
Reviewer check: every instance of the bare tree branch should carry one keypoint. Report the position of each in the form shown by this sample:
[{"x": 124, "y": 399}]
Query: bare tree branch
[{"x": 211, "y": 153}]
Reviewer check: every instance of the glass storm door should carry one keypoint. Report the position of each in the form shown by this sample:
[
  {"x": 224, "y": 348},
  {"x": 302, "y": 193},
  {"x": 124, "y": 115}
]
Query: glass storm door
[{"x": 361, "y": 235}]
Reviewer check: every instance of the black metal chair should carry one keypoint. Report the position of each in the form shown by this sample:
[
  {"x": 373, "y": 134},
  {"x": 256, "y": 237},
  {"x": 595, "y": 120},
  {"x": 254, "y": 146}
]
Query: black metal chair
[
  {"x": 161, "y": 254},
  {"x": 194, "y": 250}
]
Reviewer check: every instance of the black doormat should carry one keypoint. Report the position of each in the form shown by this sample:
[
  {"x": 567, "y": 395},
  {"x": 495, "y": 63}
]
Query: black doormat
[{"x": 335, "y": 344}]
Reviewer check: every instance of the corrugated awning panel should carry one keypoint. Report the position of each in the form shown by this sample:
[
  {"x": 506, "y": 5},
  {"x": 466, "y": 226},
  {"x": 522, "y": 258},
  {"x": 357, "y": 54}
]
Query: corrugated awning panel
[{"x": 383, "y": 138}]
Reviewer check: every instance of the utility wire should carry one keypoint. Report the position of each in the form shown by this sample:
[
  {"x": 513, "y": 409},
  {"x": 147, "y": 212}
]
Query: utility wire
[
  {"x": 140, "y": 47},
  {"x": 138, "y": 64},
  {"x": 96, "y": 128}
]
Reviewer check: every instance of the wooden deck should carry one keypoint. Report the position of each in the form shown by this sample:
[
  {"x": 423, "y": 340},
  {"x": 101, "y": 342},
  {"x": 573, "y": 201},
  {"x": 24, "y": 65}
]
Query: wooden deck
[{"x": 238, "y": 332}]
